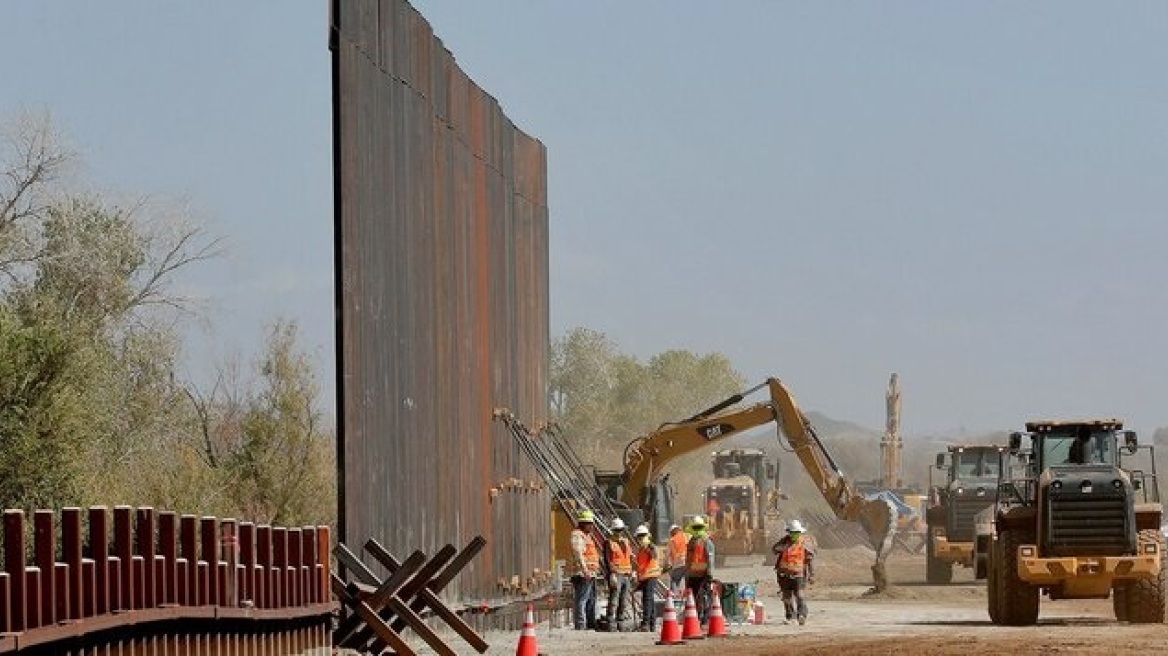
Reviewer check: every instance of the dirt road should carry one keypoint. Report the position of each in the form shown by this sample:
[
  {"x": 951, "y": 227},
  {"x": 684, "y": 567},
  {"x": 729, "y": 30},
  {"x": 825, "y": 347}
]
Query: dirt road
[{"x": 909, "y": 619}]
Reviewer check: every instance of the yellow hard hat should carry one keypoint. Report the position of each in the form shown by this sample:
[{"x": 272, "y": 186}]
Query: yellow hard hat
[{"x": 585, "y": 516}]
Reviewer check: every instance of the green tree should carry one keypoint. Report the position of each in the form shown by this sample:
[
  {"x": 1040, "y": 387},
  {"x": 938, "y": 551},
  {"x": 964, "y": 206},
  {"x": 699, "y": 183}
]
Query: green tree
[
  {"x": 282, "y": 464},
  {"x": 602, "y": 398},
  {"x": 87, "y": 330}
]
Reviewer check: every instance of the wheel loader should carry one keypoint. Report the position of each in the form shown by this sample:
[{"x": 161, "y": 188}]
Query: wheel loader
[
  {"x": 1073, "y": 520},
  {"x": 969, "y": 487}
]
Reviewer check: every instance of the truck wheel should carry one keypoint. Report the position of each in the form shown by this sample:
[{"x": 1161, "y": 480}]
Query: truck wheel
[
  {"x": 937, "y": 571},
  {"x": 1019, "y": 599},
  {"x": 1145, "y": 597}
]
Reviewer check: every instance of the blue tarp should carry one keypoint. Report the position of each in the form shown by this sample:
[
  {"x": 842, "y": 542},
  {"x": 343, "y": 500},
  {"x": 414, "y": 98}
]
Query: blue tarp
[{"x": 902, "y": 508}]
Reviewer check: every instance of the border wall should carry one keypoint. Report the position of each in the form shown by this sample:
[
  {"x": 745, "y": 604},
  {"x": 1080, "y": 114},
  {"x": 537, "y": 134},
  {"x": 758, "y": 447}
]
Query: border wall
[{"x": 441, "y": 233}]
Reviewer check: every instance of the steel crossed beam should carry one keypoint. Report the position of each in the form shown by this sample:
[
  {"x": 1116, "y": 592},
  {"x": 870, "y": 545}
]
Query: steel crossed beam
[{"x": 382, "y": 609}]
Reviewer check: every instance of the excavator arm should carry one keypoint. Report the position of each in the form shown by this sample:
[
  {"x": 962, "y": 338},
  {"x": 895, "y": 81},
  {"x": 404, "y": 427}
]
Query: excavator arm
[
  {"x": 876, "y": 516},
  {"x": 647, "y": 456}
]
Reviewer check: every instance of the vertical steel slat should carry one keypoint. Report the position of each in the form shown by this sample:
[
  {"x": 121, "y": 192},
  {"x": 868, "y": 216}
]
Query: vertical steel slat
[{"x": 441, "y": 228}]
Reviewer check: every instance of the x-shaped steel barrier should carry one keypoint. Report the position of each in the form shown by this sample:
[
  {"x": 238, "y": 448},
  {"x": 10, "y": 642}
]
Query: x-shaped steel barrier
[{"x": 382, "y": 609}]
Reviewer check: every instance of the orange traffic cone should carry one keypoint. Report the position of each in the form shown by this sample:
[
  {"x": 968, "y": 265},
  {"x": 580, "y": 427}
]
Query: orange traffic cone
[
  {"x": 717, "y": 628},
  {"x": 670, "y": 630},
  {"x": 527, "y": 646},
  {"x": 691, "y": 628}
]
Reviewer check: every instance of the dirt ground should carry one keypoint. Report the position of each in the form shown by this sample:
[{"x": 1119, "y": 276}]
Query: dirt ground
[{"x": 910, "y": 618}]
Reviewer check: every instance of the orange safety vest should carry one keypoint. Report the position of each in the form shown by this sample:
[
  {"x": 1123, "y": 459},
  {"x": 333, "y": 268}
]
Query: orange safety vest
[
  {"x": 591, "y": 553},
  {"x": 698, "y": 559},
  {"x": 648, "y": 567},
  {"x": 712, "y": 507},
  {"x": 620, "y": 556},
  {"x": 793, "y": 559},
  {"x": 677, "y": 544}
]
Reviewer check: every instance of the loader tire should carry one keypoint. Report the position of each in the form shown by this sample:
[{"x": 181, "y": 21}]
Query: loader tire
[
  {"x": 1119, "y": 601},
  {"x": 1018, "y": 599},
  {"x": 993, "y": 586},
  {"x": 937, "y": 571},
  {"x": 1145, "y": 597}
]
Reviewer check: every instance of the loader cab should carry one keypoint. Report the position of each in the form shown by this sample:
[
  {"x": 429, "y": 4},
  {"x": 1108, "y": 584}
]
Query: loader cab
[
  {"x": 969, "y": 486},
  {"x": 1073, "y": 474},
  {"x": 975, "y": 463},
  {"x": 1085, "y": 445}
]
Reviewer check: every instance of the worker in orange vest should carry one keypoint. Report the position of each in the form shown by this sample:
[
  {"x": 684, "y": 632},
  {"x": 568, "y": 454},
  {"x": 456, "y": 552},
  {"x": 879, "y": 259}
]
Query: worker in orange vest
[
  {"x": 678, "y": 543},
  {"x": 584, "y": 569},
  {"x": 714, "y": 509},
  {"x": 795, "y": 570},
  {"x": 648, "y": 571},
  {"x": 699, "y": 566},
  {"x": 618, "y": 553}
]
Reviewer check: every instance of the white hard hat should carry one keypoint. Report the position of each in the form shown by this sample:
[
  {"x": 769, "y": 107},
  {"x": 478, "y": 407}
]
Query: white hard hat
[
  {"x": 618, "y": 524},
  {"x": 795, "y": 526},
  {"x": 641, "y": 530},
  {"x": 673, "y": 528}
]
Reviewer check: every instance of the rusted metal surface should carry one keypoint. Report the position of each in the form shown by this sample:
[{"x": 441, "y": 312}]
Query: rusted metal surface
[
  {"x": 129, "y": 577},
  {"x": 442, "y": 288}
]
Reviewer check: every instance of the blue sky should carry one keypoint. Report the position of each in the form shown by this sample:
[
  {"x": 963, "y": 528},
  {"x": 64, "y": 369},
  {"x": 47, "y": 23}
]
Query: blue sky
[{"x": 972, "y": 195}]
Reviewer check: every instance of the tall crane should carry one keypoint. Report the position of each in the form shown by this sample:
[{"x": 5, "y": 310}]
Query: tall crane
[{"x": 890, "y": 443}]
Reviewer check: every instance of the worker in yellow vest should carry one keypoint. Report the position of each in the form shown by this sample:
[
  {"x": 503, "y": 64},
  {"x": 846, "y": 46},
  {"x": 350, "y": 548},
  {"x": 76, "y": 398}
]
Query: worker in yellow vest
[
  {"x": 648, "y": 571},
  {"x": 795, "y": 570},
  {"x": 584, "y": 569},
  {"x": 699, "y": 566}
]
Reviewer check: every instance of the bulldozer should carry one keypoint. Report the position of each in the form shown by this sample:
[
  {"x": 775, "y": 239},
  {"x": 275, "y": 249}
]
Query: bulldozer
[
  {"x": 970, "y": 485},
  {"x": 1073, "y": 520}
]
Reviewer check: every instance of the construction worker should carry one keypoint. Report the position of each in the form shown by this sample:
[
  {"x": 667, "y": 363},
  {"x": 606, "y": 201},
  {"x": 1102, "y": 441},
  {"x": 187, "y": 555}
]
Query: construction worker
[
  {"x": 678, "y": 544},
  {"x": 795, "y": 570},
  {"x": 618, "y": 553},
  {"x": 584, "y": 569},
  {"x": 699, "y": 566},
  {"x": 713, "y": 507},
  {"x": 648, "y": 571}
]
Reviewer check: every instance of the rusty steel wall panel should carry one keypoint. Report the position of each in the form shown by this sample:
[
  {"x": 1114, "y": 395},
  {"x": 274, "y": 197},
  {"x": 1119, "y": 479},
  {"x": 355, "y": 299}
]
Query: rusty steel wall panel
[{"x": 442, "y": 290}]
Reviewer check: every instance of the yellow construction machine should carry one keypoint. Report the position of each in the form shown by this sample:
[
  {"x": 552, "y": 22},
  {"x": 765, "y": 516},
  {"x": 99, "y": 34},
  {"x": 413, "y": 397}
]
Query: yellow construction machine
[
  {"x": 1074, "y": 519},
  {"x": 641, "y": 493},
  {"x": 744, "y": 494},
  {"x": 969, "y": 486}
]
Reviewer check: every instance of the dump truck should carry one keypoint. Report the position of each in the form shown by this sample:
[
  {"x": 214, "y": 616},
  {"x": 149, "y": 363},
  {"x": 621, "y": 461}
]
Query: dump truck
[
  {"x": 1073, "y": 520},
  {"x": 969, "y": 486},
  {"x": 744, "y": 486}
]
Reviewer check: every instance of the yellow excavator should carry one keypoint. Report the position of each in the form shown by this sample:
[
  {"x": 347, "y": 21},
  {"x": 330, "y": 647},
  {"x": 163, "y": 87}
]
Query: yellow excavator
[
  {"x": 647, "y": 456},
  {"x": 641, "y": 493}
]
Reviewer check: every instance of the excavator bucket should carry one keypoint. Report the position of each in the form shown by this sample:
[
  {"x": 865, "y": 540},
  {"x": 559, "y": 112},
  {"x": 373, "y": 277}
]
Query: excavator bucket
[{"x": 878, "y": 517}]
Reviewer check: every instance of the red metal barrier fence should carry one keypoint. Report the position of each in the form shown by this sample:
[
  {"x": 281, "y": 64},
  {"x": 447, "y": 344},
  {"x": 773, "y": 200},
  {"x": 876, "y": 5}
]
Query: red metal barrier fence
[{"x": 85, "y": 575}]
